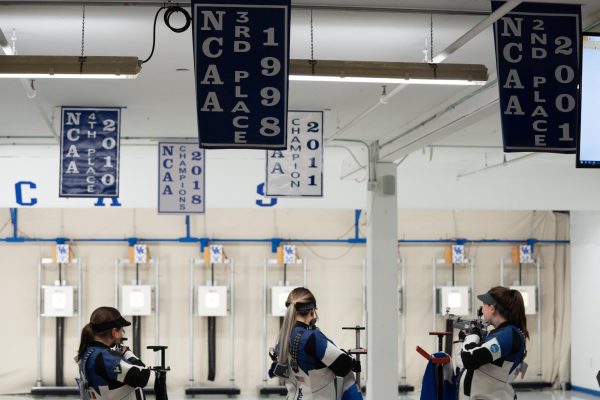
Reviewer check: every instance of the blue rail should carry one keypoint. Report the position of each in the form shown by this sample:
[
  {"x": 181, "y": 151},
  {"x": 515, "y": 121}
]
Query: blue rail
[{"x": 275, "y": 242}]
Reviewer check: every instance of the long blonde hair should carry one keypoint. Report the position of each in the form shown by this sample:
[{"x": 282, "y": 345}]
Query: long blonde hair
[{"x": 299, "y": 295}]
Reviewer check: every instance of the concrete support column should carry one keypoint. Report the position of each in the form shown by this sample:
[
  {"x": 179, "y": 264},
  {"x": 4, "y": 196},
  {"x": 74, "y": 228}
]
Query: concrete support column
[{"x": 382, "y": 284}]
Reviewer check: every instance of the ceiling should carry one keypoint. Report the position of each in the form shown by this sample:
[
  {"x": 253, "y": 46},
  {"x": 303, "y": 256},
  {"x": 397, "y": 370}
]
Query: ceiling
[{"x": 160, "y": 103}]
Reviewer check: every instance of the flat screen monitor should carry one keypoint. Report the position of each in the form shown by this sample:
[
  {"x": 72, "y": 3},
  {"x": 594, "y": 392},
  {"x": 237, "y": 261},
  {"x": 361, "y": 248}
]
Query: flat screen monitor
[{"x": 588, "y": 142}]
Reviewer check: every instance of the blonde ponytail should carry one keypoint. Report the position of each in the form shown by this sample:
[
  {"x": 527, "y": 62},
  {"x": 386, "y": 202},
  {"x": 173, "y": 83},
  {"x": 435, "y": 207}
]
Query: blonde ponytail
[
  {"x": 289, "y": 321},
  {"x": 299, "y": 295}
]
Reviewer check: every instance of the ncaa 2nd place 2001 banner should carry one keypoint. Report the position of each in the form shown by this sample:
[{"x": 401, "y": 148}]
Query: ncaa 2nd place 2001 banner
[{"x": 537, "y": 54}]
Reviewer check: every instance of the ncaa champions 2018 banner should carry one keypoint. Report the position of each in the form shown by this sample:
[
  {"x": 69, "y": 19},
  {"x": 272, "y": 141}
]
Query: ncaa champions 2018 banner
[
  {"x": 241, "y": 52},
  {"x": 538, "y": 58},
  {"x": 181, "y": 178},
  {"x": 89, "y": 152},
  {"x": 298, "y": 171}
]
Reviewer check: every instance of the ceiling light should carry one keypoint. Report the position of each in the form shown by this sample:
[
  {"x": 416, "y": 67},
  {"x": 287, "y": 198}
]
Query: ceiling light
[
  {"x": 387, "y": 72},
  {"x": 95, "y": 67}
]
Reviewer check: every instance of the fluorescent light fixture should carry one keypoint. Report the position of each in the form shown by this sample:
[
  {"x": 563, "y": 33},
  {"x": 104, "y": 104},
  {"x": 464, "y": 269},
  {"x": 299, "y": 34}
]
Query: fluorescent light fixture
[
  {"x": 388, "y": 72},
  {"x": 95, "y": 67}
]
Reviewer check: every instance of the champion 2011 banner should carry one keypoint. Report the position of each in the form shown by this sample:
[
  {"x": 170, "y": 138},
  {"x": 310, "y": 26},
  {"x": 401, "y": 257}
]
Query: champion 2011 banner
[{"x": 298, "y": 171}]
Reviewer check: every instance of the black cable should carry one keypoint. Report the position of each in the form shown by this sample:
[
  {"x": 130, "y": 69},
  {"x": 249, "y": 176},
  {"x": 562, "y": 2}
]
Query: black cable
[
  {"x": 153, "y": 36},
  {"x": 212, "y": 348},
  {"x": 175, "y": 9},
  {"x": 167, "y": 16}
]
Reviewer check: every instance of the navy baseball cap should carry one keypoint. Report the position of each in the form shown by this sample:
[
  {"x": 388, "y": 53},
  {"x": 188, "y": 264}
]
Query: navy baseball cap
[
  {"x": 119, "y": 322},
  {"x": 487, "y": 298}
]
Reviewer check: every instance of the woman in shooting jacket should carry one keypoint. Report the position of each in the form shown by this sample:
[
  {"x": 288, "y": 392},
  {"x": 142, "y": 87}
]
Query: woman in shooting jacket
[
  {"x": 307, "y": 359},
  {"x": 491, "y": 364},
  {"x": 107, "y": 369}
]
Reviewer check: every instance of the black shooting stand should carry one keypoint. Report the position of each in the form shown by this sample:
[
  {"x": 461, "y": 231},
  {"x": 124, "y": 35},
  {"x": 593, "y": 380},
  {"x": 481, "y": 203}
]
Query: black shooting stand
[
  {"x": 358, "y": 351},
  {"x": 229, "y": 390},
  {"x": 439, "y": 363},
  {"x": 60, "y": 389},
  {"x": 160, "y": 374}
]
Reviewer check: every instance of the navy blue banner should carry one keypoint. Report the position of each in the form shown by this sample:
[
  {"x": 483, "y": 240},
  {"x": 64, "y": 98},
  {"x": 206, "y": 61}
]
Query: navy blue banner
[
  {"x": 538, "y": 62},
  {"x": 241, "y": 53},
  {"x": 89, "y": 152}
]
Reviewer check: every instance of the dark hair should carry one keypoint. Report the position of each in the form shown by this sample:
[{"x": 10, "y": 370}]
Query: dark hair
[
  {"x": 299, "y": 295},
  {"x": 512, "y": 306},
  {"x": 99, "y": 316}
]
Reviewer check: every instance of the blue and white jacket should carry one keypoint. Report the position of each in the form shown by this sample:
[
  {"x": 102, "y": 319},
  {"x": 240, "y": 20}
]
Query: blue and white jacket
[
  {"x": 492, "y": 365},
  {"x": 109, "y": 375},
  {"x": 315, "y": 361}
]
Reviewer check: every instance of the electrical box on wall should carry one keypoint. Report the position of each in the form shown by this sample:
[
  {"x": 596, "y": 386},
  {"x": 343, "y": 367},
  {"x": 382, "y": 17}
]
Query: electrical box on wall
[
  {"x": 58, "y": 301},
  {"x": 453, "y": 300},
  {"x": 136, "y": 300},
  {"x": 279, "y": 295},
  {"x": 529, "y": 294},
  {"x": 212, "y": 301}
]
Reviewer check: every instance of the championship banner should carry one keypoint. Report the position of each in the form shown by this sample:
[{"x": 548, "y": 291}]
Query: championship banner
[
  {"x": 181, "y": 178},
  {"x": 241, "y": 53},
  {"x": 537, "y": 56},
  {"x": 298, "y": 171},
  {"x": 89, "y": 152}
]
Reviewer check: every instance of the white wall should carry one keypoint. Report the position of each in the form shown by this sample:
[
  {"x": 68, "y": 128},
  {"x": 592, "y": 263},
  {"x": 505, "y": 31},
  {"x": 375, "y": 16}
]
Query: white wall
[
  {"x": 335, "y": 275},
  {"x": 424, "y": 181},
  {"x": 585, "y": 277}
]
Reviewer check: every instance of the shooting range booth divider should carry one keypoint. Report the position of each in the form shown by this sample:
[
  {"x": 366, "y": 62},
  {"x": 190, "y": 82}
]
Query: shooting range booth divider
[
  {"x": 537, "y": 262},
  {"x": 231, "y": 389},
  {"x": 60, "y": 389},
  {"x": 438, "y": 292},
  {"x": 154, "y": 303},
  {"x": 280, "y": 389}
]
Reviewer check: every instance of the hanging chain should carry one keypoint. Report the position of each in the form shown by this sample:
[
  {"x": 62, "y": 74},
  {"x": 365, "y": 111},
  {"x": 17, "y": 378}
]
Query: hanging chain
[
  {"x": 431, "y": 38},
  {"x": 82, "y": 58},
  {"x": 312, "y": 48},
  {"x": 83, "y": 32}
]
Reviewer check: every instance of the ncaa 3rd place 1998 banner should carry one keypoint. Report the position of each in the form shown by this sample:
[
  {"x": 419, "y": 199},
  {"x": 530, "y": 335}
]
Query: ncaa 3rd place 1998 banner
[{"x": 241, "y": 53}]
